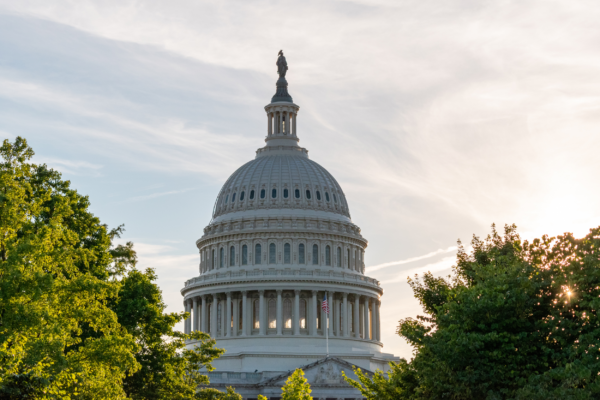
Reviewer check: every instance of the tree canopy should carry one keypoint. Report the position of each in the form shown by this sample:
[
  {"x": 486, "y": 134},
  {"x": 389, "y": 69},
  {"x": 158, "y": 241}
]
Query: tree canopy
[{"x": 515, "y": 320}]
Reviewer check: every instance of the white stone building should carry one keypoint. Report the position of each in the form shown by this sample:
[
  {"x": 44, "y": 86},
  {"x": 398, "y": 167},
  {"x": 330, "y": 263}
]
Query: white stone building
[{"x": 280, "y": 238}]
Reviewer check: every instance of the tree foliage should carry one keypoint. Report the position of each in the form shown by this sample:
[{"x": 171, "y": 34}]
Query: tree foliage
[
  {"x": 296, "y": 387},
  {"x": 516, "y": 320},
  {"x": 77, "y": 319}
]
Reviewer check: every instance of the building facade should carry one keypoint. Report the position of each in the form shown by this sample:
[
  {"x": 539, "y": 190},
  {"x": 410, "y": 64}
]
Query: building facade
[{"x": 280, "y": 241}]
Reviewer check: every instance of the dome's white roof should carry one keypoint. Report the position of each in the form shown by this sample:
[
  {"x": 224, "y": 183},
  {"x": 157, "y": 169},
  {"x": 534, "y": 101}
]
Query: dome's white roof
[{"x": 282, "y": 172}]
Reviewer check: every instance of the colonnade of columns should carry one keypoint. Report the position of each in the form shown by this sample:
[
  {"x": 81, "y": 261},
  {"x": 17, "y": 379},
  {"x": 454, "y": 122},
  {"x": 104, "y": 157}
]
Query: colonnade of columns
[
  {"x": 284, "y": 313},
  {"x": 281, "y": 122}
]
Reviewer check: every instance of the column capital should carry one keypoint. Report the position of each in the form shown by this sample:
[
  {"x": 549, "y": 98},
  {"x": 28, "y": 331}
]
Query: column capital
[
  {"x": 315, "y": 292},
  {"x": 297, "y": 292},
  {"x": 244, "y": 292},
  {"x": 203, "y": 297},
  {"x": 279, "y": 291},
  {"x": 228, "y": 294},
  {"x": 261, "y": 292},
  {"x": 345, "y": 294}
]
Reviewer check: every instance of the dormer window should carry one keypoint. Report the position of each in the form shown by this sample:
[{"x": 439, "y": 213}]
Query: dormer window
[
  {"x": 242, "y": 196},
  {"x": 327, "y": 196},
  {"x": 297, "y": 193},
  {"x": 233, "y": 198},
  {"x": 286, "y": 193},
  {"x": 274, "y": 193},
  {"x": 263, "y": 193},
  {"x": 252, "y": 194},
  {"x": 226, "y": 198},
  {"x": 308, "y": 194},
  {"x": 318, "y": 195}
]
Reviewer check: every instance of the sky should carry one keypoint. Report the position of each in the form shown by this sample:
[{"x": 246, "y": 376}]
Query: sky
[{"x": 438, "y": 119}]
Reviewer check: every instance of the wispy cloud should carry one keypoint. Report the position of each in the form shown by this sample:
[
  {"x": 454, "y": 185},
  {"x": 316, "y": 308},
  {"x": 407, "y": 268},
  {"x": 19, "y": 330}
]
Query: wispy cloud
[
  {"x": 155, "y": 195},
  {"x": 436, "y": 267},
  {"x": 412, "y": 259},
  {"x": 73, "y": 167}
]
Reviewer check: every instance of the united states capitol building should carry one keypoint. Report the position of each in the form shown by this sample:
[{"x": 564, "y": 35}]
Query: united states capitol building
[{"x": 280, "y": 238}]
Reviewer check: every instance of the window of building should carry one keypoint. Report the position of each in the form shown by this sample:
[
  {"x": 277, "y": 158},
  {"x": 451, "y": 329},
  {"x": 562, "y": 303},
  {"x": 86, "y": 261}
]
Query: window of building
[
  {"x": 233, "y": 197},
  {"x": 327, "y": 196},
  {"x": 348, "y": 258},
  {"x": 327, "y": 255},
  {"x": 272, "y": 314},
  {"x": 252, "y": 195},
  {"x": 334, "y": 198},
  {"x": 226, "y": 198},
  {"x": 244, "y": 255},
  {"x": 287, "y": 256},
  {"x": 318, "y": 312},
  {"x": 274, "y": 193},
  {"x": 301, "y": 254},
  {"x": 315, "y": 254},
  {"x": 231, "y": 256},
  {"x": 242, "y": 196},
  {"x": 297, "y": 193},
  {"x": 287, "y": 313},
  {"x": 355, "y": 261},
  {"x": 318, "y": 195},
  {"x": 214, "y": 260},
  {"x": 308, "y": 194},
  {"x": 286, "y": 193},
  {"x": 272, "y": 254},
  {"x": 222, "y": 258},
  {"x": 240, "y": 315},
  {"x": 263, "y": 193},
  {"x": 303, "y": 314},
  {"x": 257, "y": 254},
  {"x": 338, "y": 261},
  {"x": 256, "y": 314}
]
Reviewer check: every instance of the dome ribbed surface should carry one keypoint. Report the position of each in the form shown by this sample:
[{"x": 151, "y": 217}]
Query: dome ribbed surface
[{"x": 281, "y": 172}]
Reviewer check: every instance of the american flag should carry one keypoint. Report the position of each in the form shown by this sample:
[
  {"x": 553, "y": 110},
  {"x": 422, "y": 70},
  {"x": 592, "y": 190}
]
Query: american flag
[{"x": 325, "y": 304}]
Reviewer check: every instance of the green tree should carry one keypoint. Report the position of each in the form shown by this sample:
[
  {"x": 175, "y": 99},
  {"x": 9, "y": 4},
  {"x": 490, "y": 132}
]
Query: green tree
[
  {"x": 54, "y": 261},
  {"x": 296, "y": 387},
  {"x": 400, "y": 382}
]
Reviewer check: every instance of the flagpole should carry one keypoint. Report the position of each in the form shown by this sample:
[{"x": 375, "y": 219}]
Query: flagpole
[{"x": 327, "y": 334}]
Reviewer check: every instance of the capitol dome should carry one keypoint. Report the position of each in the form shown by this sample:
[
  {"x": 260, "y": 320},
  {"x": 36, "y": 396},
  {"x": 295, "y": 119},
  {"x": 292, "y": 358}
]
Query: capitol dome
[{"x": 279, "y": 243}]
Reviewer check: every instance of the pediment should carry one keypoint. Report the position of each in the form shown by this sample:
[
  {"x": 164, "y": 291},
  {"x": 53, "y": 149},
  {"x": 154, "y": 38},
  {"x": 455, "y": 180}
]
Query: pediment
[{"x": 325, "y": 372}]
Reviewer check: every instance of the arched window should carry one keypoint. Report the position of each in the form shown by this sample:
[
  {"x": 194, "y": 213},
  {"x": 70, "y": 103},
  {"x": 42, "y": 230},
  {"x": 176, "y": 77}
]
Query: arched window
[
  {"x": 263, "y": 193},
  {"x": 327, "y": 196},
  {"x": 318, "y": 195},
  {"x": 244, "y": 255},
  {"x": 273, "y": 193},
  {"x": 334, "y": 198},
  {"x": 257, "y": 254},
  {"x": 286, "y": 193},
  {"x": 222, "y": 258},
  {"x": 348, "y": 258},
  {"x": 308, "y": 194},
  {"x": 231, "y": 256},
  {"x": 287, "y": 313},
  {"x": 327, "y": 255},
  {"x": 302, "y": 314},
  {"x": 242, "y": 196},
  {"x": 338, "y": 262},
  {"x": 233, "y": 197},
  {"x": 315, "y": 254},
  {"x": 214, "y": 260},
  {"x": 272, "y": 314},
  {"x": 297, "y": 193},
  {"x": 301, "y": 253},
  {"x": 226, "y": 198},
  {"x": 272, "y": 254},
  {"x": 256, "y": 314},
  {"x": 252, "y": 195},
  {"x": 287, "y": 257}
]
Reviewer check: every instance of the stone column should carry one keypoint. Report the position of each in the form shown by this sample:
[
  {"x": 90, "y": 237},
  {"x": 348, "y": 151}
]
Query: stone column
[
  {"x": 223, "y": 315},
  {"x": 213, "y": 317},
  {"x": 279, "y": 313},
  {"x": 357, "y": 316},
  {"x": 323, "y": 319},
  {"x": 261, "y": 313},
  {"x": 296, "y": 316},
  {"x": 313, "y": 313},
  {"x": 378, "y": 311},
  {"x": 270, "y": 119},
  {"x": 204, "y": 314},
  {"x": 336, "y": 317},
  {"x": 186, "y": 323},
  {"x": 294, "y": 124},
  {"x": 366, "y": 333},
  {"x": 345, "y": 319},
  {"x": 236, "y": 316},
  {"x": 244, "y": 313},
  {"x": 196, "y": 314},
  {"x": 228, "y": 314},
  {"x": 331, "y": 307}
]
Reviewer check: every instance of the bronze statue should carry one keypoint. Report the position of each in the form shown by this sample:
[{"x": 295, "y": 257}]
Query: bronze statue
[{"x": 281, "y": 64}]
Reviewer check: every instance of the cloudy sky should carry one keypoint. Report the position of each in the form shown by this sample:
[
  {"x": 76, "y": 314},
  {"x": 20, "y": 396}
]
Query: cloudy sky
[{"x": 437, "y": 118}]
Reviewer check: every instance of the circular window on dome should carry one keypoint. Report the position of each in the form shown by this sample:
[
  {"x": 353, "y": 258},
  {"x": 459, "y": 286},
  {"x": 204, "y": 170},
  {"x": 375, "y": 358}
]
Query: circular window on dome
[
  {"x": 327, "y": 196},
  {"x": 242, "y": 196},
  {"x": 318, "y": 195},
  {"x": 233, "y": 197},
  {"x": 297, "y": 193},
  {"x": 273, "y": 193},
  {"x": 308, "y": 194},
  {"x": 252, "y": 195},
  {"x": 263, "y": 193},
  {"x": 286, "y": 193}
]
